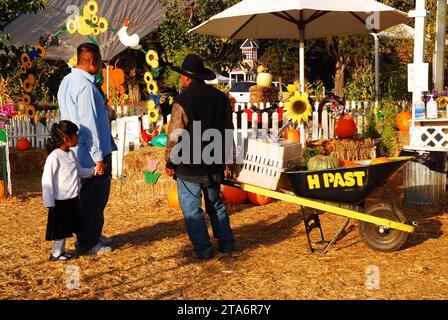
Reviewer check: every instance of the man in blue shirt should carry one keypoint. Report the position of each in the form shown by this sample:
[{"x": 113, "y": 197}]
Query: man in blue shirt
[{"x": 81, "y": 103}]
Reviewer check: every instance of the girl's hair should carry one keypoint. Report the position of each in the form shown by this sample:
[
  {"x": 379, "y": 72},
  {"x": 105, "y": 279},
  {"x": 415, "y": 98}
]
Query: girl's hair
[{"x": 58, "y": 132}]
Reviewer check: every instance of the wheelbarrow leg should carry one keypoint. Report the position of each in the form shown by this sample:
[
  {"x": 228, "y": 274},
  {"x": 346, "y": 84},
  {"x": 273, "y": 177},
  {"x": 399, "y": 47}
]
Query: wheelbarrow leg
[
  {"x": 337, "y": 235},
  {"x": 312, "y": 222}
]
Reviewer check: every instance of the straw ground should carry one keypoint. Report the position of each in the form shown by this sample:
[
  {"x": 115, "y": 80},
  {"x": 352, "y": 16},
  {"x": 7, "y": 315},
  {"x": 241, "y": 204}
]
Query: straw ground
[{"x": 152, "y": 257}]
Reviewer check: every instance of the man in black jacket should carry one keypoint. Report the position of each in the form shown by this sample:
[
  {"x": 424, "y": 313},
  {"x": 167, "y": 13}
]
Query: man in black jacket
[{"x": 200, "y": 113}]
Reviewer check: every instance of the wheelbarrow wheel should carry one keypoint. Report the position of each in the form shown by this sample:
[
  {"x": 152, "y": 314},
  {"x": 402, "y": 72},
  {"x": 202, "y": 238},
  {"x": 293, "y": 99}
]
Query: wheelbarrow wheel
[{"x": 381, "y": 238}]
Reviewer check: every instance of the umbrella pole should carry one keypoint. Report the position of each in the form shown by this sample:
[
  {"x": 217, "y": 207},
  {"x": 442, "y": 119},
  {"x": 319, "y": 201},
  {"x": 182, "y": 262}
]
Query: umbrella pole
[
  {"x": 107, "y": 79},
  {"x": 302, "y": 59},
  {"x": 302, "y": 65}
]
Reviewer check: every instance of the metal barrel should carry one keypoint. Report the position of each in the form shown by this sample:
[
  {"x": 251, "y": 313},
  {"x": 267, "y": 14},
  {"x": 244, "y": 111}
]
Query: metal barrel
[{"x": 423, "y": 186}]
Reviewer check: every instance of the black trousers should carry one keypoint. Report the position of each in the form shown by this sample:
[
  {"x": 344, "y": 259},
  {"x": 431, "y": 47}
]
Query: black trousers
[{"x": 93, "y": 199}]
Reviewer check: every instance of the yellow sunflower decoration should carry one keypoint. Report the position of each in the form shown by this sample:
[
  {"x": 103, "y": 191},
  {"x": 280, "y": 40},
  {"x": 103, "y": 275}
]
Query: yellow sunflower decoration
[
  {"x": 26, "y": 99},
  {"x": 73, "y": 62},
  {"x": 40, "y": 51},
  {"x": 103, "y": 25},
  {"x": 152, "y": 58},
  {"x": 442, "y": 101},
  {"x": 27, "y": 86},
  {"x": 71, "y": 26},
  {"x": 298, "y": 107},
  {"x": 148, "y": 78},
  {"x": 153, "y": 88},
  {"x": 25, "y": 59},
  {"x": 31, "y": 112},
  {"x": 151, "y": 105},
  {"x": 153, "y": 116}
]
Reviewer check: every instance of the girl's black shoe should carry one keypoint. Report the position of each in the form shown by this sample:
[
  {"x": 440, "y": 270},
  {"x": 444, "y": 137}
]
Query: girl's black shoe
[{"x": 62, "y": 257}]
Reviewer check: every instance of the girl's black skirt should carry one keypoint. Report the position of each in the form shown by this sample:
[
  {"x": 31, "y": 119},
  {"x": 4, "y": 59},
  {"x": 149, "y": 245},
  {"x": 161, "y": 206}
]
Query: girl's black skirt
[{"x": 63, "y": 221}]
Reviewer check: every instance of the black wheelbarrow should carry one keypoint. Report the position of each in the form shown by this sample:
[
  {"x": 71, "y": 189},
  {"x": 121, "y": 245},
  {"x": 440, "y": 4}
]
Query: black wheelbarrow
[{"x": 343, "y": 191}]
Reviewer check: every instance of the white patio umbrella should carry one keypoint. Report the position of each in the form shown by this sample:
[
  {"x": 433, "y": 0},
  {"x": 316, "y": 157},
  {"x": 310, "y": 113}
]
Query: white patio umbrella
[{"x": 301, "y": 20}]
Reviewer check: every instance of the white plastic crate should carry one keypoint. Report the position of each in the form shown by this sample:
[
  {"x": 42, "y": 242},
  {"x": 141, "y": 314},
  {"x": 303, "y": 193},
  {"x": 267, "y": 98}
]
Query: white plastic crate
[{"x": 266, "y": 162}]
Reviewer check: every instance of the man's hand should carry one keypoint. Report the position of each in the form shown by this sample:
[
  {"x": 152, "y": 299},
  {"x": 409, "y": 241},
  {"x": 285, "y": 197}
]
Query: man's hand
[
  {"x": 170, "y": 172},
  {"x": 100, "y": 168}
]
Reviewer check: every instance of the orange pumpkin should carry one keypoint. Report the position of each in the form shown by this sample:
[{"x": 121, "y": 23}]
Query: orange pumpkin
[
  {"x": 173, "y": 198},
  {"x": 292, "y": 135},
  {"x": 403, "y": 121},
  {"x": 23, "y": 144},
  {"x": 116, "y": 80},
  {"x": 348, "y": 163},
  {"x": 258, "y": 199},
  {"x": 234, "y": 195},
  {"x": 345, "y": 127},
  {"x": 380, "y": 160},
  {"x": 2, "y": 190}
]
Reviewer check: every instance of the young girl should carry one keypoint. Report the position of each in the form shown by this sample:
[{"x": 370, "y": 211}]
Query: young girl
[{"x": 61, "y": 185}]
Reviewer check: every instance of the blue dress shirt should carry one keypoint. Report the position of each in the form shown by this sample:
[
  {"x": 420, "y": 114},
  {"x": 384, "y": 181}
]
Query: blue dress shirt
[{"x": 81, "y": 103}]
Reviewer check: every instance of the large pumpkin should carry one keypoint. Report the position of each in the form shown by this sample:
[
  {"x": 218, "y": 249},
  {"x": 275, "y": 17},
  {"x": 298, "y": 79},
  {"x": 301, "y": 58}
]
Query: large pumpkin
[
  {"x": 234, "y": 195},
  {"x": 292, "y": 135},
  {"x": 264, "y": 79},
  {"x": 23, "y": 144},
  {"x": 345, "y": 127},
  {"x": 318, "y": 163},
  {"x": 258, "y": 199},
  {"x": 2, "y": 190},
  {"x": 380, "y": 160},
  {"x": 403, "y": 120},
  {"x": 116, "y": 80},
  {"x": 173, "y": 198}
]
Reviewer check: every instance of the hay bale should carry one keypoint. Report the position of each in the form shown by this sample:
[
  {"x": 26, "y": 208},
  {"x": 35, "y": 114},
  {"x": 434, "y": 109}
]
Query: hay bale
[
  {"x": 28, "y": 163},
  {"x": 355, "y": 149},
  {"x": 263, "y": 94},
  {"x": 135, "y": 163}
]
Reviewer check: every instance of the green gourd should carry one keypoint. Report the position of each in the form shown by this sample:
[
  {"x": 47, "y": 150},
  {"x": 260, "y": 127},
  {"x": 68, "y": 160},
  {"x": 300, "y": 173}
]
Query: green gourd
[{"x": 317, "y": 163}]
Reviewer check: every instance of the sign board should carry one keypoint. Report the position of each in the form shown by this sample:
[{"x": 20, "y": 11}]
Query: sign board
[{"x": 418, "y": 77}]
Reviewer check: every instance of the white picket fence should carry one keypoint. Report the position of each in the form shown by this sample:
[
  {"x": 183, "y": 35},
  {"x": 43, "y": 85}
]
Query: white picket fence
[
  {"x": 271, "y": 124},
  {"x": 127, "y": 128}
]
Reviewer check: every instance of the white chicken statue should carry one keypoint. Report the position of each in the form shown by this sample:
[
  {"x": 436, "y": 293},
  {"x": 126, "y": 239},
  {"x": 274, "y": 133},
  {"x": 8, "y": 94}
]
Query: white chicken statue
[{"x": 127, "y": 40}]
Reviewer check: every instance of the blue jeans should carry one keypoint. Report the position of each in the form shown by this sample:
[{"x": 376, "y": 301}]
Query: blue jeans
[{"x": 190, "y": 198}]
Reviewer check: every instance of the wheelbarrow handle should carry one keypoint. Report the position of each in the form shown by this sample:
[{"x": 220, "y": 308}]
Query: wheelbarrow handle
[{"x": 232, "y": 184}]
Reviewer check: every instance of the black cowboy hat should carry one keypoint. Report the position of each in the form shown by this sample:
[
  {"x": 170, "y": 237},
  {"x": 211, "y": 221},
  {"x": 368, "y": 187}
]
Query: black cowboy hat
[{"x": 193, "y": 67}]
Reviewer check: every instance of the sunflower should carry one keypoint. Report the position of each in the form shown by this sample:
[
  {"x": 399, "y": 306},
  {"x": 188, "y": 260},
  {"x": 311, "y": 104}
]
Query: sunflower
[
  {"x": 31, "y": 112},
  {"x": 153, "y": 88},
  {"x": 25, "y": 59},
  {"x": 73, "y": 62},
  {"x": 71, "y": 26},
  {"x": 23, "y": 70},
  {"x": 153, "y": 116},
  {"x": 151, "y": 105},
  {"x": 94, "y": 19},
  {"x": 298, "y": 107},
  {"x": 103, "y": 25},
  {"x": 27, "y": 86},
  {"x": 40, "y": 51},
  {"x": 442, "y": 101},
  {"x": 26, "y": 99},
  {"x": 148, "y": 77},
  {"x": 152, "y": 58},
  {"x": 91, "y": 8}
]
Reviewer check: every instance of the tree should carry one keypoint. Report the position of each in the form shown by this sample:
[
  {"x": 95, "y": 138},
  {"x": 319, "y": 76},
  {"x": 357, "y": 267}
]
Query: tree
[
  {"x": 8, "y": 11},
  {"x": 172, "y": 38}
]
